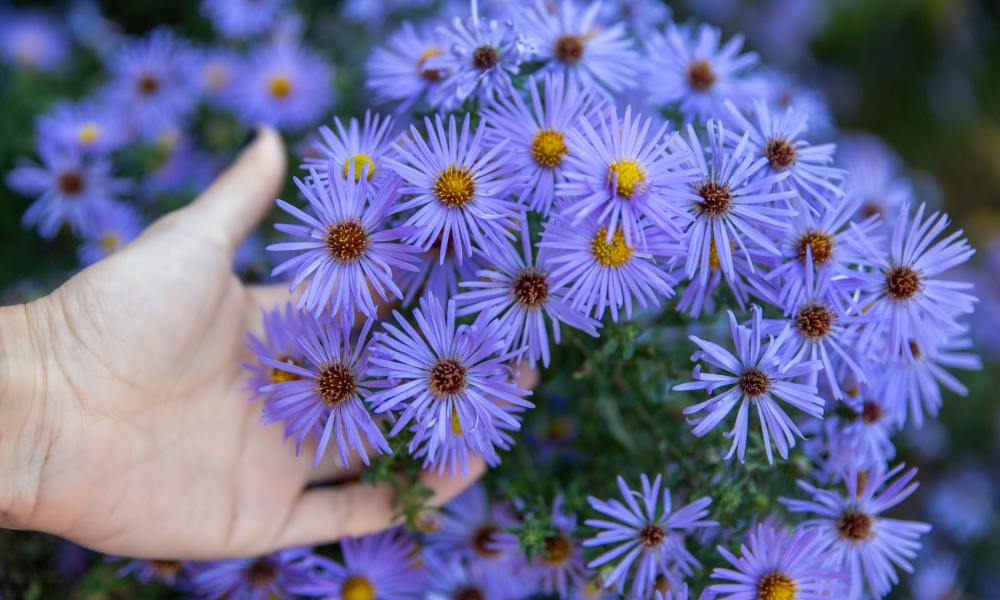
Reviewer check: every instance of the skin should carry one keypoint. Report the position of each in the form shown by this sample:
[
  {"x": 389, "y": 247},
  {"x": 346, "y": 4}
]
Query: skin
[{"x": 124, "y": 420}]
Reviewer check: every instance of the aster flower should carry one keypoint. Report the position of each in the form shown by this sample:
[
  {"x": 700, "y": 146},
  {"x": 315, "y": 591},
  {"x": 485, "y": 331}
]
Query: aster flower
[
  {"x": 601, "y": 274},
  {"x": 561, "y": 566},
  {"x": 875, "y": 178},
  {"x": 783, "y": 93},
  {"x": 393, "y": 74},
  {"x": 517, "y": 288},
  {"x": 731, "y": 203},
  {"x": 862, "y": 543},
  {"x": 860, "y": 438},
  {"x": 280, "y": 343},
  {"x": 32, "y": 39},
  {"x": 645, "y": 533},
  {"x": 779, "y": 137},
  {"x": 260, "y": 578},
  {"x": 642, "y": 16},
  {"x": 150, "y": 84},
  {"x": 776, "y": 565},
  {"x": 241, "y": 19},
  {"x": 759, "y": 377},
  {"x": 217, "y": 70},
  {"x": 382, "y": 565},
  {"x": 115, "y": 225},
  {"x": 906, "y": 305},
  {"x": 347, "y": 254},
  {"x": 572, "y": 41},
  {"x": 482, "y": 56},
  {"x": 624, "y": 176},
  {"x": 325, "y": 396},
  {"x": 449, "y": 381},
  {"x": 182, "y": 167},
  {"x": 536, "y": 137},
  {"x": 286, "y": 85},
  {"x": 70, "y": 189},
  {"x": 435, "y": 277},
  {"x": 937, "y": 577},
  {"x": 453, "y": 577},
  {"x": 87, "y": 127},
  {"x": 459, "y": 188},
  {"x": 690, "y": 70},
  {"x": 963, "y": 502},
  {"x": 363, "y": 145},
  {"x": 699, "y": 296},
  {"x": 376, "y": 13},
  {"x": 173, "y": 573},
  {"x": 470, "y": 527}
]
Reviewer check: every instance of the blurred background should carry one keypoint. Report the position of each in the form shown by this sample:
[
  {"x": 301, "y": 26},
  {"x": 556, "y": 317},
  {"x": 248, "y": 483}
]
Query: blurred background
[{"x": 921, "y": 75}]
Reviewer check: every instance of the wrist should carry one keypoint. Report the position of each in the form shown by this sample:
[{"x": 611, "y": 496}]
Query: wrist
[{"x": 23, "y": 392}]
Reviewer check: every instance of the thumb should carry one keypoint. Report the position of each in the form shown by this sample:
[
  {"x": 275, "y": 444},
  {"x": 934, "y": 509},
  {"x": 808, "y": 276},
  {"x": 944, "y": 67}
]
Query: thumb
[{"x": 240, "y": 197}]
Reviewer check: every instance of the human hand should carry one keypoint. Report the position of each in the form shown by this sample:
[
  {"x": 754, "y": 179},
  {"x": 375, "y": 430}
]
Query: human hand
[{"x": 124, "y": 422}]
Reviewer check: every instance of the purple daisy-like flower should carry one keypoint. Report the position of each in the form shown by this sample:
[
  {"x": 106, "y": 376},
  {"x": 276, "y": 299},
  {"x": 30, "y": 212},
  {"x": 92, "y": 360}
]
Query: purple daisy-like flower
[
  {"x": 365, "y": 145},
  {"x": 963, "y": 501},
  {"x": 453, "y": 577},
  {"x": 860, "y": 439},
  {"x": 862, "y": 543},
  {"x": 470, "y": 527},
  {"x": 438, "y": 278},
  {"x": 382, "y": 565},
  {"x": 516, "y": 286},
  {"x": 115, "y": 225},
  {"x": 150, "y": 84},
  {"x": 572, "y": 41},
  {"x": 561, "y": 567},
  {"x": 759, "y": 377},
  {"x": 601, "y": 275},
  {"x": 458, "y": 188},
  {"x": 699, "y": 295},
  {"x": 325, "y": 396},
  {"x": 32, "y": 39},
  {"x": 481, "y": 57},
  {"x": 778, "y": 564},
  {"x": 396, "y": 77},
  {"x": 450, "y": 381},
  {"x": 537, "y": 137},
  {"x": 88, "y": 127},
  {"x": 70, "y": 189},
  {"x": 731, "y": 204},
  {"x": 216, "y": 72},
  {"x": 258, "y": 578},
  {"x": 691, "y": 71},
  {"x": 173, "y": 573},
  {"x": 779, "y": 137},
  {"x": 645, "y": 531},
  {"x": 783, "y": 92},
  {"x": 285, "y": 84},
  {"x": 905, "y": 305},
  {"x": 241, "y": 19},
  {"x": 280, "y": 343},
  {"x": 348, "y": 254},
  {"x": 376, "y": 13},
  {"x": 625, "y": 176},
  {"x": 875, "y": 180}
]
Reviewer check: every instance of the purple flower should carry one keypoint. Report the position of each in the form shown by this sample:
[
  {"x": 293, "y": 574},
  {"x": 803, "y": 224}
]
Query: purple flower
[
  {"x": 173, "y": 573},
  {"x": 382, "y": 565},
  {"x": 70, "y": 189},
  {"x": 435, "y": 277},
  {"x": 624, "y": 175},
  {"x": 115, "y": 225},
  {"x": 449, "y": 381},
  {"x": 183, "y": 166},
  {"x": 325, "y": 396},
  {"x": 363, "y": 145},
  {"x": 32, "y": 39},
  {"x": 86, "y": 127},
  {"x": 216, "y": 72},
  {"x": 286, "y": 85},
  {"x": 562, "y": 566},
  {"x": 537, "y": 137},
  {"x": 260, "y": 578},
  {"x": 757, "y": 377},
  {"x": 570, "y": 39},
  {"x": 459, "y": 189},
  {"x": 963, "y": 501},
  {"x": 783, "y": 92},
  {"x": 453, "y": 577},
  {"x": 396, "y": 77},
  {"x": 376, "y": 13},
  {"x": 862, "y": 543},
  {"x": 778, "y": 564},
  {"x": 150, "y": 84},
  {"x": 241, "y": 19},
  {"x": 860, "y": 439},
  {"x": 731, "y": 202},
  {"x": 601, "y": 274},
  {"x": 482, "y": 56},
  {"x": 516, "y": 287},
  {"x": 690, "y": 70},
  {"x": 649, "y": 533},
  {"x": 279, "y": 343},
  {"x": 875, "y": 179},
  {"x": 347, "y": 254},
  {"x": 698, "y": 295},
  {"x": 470, "y": 527},
  {"x": 906, "y": 305}
]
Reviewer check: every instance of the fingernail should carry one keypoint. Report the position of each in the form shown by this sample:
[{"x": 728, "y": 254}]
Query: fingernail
[{"x": 250, "y": 137}]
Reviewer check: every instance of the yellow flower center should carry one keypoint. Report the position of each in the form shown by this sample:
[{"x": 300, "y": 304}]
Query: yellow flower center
[
  {"x": 279, "y": 86},
  {"x": 360, "y": 161},
  {"x": 627, "y": 177},
  {"x": 357, "y": 588},
  {"x": 429, "y": 74},
  {"x": 776, "y": 586},
  {"x": 216, "y": 77},
  {"x": 613, "y": 254},
  {"x": 454, "y": 187},
  {"x": 110, "y": 242},
  {"x": 548, "y": 148},
  {"x": 88, "y": 133}
]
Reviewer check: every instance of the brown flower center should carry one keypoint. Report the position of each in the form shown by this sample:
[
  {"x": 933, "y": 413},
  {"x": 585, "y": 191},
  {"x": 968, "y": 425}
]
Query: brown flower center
[
  {"x": 166, "y": 568},
  {"x": 776, "y": 586},
  {"x": 814, "y": 321},
  {"x": 700, "y": 75},
  {"x": 569, "y": 48},
  {"x": 914, "y": 349},
  {"x": 336, "y": 383},
  {"x": 871, "y": 412},
  {"x": 429, "y": 74},
  {"x": 148, "y": 84},
  {"x": 651, "y": 535},
  {"x": 531, "y": 289},
  {"x": 468, "y": 593},
  {"x": 260, "y": 573},
  {"x": 780, "y": 154},
  {"x": 347, "y": 241},
  {"x": 754, "y": 382},
  {"x": 455, "y": 187},
  {"x": 871, "y": 208},
  {"x": 70, "y": 182},
  {"x": 818, "y": 243},
  {"x": 482, "y": 539},
  {"x": 902, "y": 283},
  {"x": 715, "y": 197},
  {"x": 855, "y": 526},
  {"x": 485, "y": 57},
  {"x": 447, "y": 378},
  {"x": 557, "y": 550}
]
